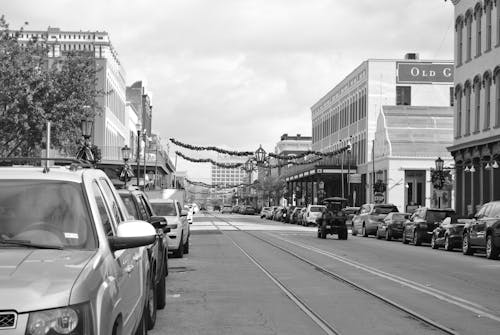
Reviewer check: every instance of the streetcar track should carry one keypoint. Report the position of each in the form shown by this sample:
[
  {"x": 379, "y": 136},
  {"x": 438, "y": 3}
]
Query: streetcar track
[{"x": 412, "y": 314}]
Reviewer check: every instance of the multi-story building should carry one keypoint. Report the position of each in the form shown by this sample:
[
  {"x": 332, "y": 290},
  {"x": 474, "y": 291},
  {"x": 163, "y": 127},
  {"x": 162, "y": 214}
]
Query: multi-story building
[
  {"x": 230, "y": 176},
  {"x": 349, "y": 112},
  {"x": 476, "y": 145}
]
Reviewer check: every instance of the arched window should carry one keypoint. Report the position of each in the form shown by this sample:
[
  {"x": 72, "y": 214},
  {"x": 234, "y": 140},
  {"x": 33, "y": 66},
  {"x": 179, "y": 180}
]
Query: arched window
[
  {"x": 478, "y": 12},
  {"x": 467, "y": 88},
  {"x": 459, "y": 25},
  {"x": 496, "y": 78},
  {"x": 487, "y": 99},
  {"x": 468, "y": 46},
  {"x": 498, "y": 22},
  {"x": 488, "y": 6},
  {"x": 477, "y": 102},
  {"x": 458, "y": 108}
]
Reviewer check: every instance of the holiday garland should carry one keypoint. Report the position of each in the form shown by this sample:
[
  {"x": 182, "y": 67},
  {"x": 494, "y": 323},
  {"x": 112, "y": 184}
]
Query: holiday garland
[
  {"x": 219, "y": 150},
  {"x": 220, "y": 186},
  {"x": 209, "y": 160}
]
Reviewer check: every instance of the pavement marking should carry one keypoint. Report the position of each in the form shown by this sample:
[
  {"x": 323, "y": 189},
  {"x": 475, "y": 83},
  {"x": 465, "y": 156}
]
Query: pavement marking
[{"x": 465, "y": 304}]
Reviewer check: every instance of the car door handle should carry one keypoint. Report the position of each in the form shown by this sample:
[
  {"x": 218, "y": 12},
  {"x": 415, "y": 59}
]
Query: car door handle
[{"x": 129, "y": 268}]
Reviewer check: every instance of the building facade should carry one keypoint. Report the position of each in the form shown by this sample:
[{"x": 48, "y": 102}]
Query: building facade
[
  {"x": 476, "y": 145},
  {"x": 349, "y": 112}
]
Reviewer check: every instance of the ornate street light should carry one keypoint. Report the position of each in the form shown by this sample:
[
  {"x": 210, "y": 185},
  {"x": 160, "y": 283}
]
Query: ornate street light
[
  {"x": 86, "y": 126},
  {"x": 85, "y": 152},
  {"x": 260, "y": 155},
  {"x": 439, "y": 164},
  {"x": 126, "y": 173}
]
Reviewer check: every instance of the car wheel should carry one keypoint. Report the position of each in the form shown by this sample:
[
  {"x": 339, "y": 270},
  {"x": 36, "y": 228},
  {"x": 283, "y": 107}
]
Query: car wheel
[
  {"x": 388, "y": 235},
  {"x": 161, "y": 292},
  {"x": 141, "y": 329},
  {"x": 433, "y": 242},
  {"x": 180, "y": 251},
  {"x": 363, "y": 231},
  {"x": 186, "y": 246},
  {"x": 417, "y": 240},
  {"x": 466, "y": 247},
  {"x": 447, "y": 245},
  {"x": 491, "y": 250},
  {"x": 403, "y": 238},
  {"x": 151, "y": 305}
]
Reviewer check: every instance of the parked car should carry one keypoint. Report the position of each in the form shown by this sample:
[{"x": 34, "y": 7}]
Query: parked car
[
  {"x": 271, "y": 212},
  {"x": 288, "y": 213},
  {"x": 294, "y": 217},
  {"x": 483, "y": 232},
  {"x": 68, "y": 230},
  {"x": 227, "y": 209},
  {"x": 370, "y": 215},
  {"x": 422, "y": 223},
  {"x": 392, "y": 225},
  {"x": 332, "y": 219},
  {"x": 138, "y": 206},
  {"x": 217, "y": 208},
  {"x": 350, "y": 213},
  {"x": 278, "y": 213},
  {"x": 448, "y": 233},
  {"x": 264, "y": 211},
  {"x": 313, "y": 212},
  {"x": 249, "y": 210},
  {"x": 178, "y": 237},
  {"x": 300, "y": 216},
  {"x": 235, "y": 209}
]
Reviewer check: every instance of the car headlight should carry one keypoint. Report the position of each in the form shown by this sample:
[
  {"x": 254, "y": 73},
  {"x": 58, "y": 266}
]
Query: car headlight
[{"x": 73, "y": 320}]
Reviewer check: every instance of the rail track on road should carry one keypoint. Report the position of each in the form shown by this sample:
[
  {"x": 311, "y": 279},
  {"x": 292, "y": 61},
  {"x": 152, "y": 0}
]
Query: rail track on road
[{"x": 321, "y": 322}]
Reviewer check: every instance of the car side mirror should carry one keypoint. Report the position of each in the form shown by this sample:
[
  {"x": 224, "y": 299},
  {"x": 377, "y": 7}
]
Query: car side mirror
[
  {"x": 132, "y": 234},
  {"x": 158, "y": 221}
]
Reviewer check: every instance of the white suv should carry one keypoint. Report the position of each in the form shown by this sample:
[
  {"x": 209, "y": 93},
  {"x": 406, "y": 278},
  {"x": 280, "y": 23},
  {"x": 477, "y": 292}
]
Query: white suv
[
  {"x": 77, "y": 264},
  {"x": 313, "y": 212},
  {"x": 178, "y": 237}
]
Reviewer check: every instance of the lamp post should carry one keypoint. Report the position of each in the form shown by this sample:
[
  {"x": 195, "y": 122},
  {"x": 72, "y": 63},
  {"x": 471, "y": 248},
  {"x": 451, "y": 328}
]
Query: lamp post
[
  {"x": 260, "y": 155},
  {"x": 85, "y": 151},
  {"x": 145, "y": 138},
  {"x": 138, "y": 154},
  {"x": 349, "y": 149},
  {"x": 125, "y": 172}
]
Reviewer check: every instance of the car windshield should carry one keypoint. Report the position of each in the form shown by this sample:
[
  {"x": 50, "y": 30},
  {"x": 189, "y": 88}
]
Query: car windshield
[
  {"x": 129, "y": 205},
  {"x": 316, "y": 209},
  {"x": 385, "y": 209},
  {"x": 399, "y": 216},
  {"x": 50, "y": 213},
  {"x": 164, "y": 208}
]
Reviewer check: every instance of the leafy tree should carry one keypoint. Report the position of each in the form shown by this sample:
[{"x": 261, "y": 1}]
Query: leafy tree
[
  {"x": 272, "y": 187},
  {"x": 35, "y": 89}
]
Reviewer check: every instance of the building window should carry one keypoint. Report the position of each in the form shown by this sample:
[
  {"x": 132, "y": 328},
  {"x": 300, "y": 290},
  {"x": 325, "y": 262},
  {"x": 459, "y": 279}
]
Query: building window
[
  {"x": 460, "y": 43},
  {"x": 498, "y": 24},
  {"x": 477, "y": 104},
  {"x": 488, "y": 7},
  {"x": 403, "y": 95},
  {"x": 452, "y": 96},
  {"x": 497, "y": 98},
  {"x": 478, "y": 14},
  {"x": 487, "y": 103},
  {"x": 459, "y": 112},
  {"x": 468, "y": 23},
  {"x": 467, "y": 109}
]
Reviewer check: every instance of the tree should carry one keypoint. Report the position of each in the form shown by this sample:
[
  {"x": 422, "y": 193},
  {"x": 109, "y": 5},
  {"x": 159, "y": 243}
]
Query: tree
[
  {"x": 35, "y": 89},
  {"x": 272, "y": 187}
]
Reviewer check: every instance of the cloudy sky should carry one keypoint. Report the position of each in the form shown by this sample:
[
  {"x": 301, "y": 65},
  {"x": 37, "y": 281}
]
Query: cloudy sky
[{"x": 239, "y": 73}]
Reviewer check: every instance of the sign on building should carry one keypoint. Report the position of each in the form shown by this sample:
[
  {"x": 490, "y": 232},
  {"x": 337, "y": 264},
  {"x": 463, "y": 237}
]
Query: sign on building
[
  {"x": 424, "y": 73},
  {"x": 355, "y": 178}
]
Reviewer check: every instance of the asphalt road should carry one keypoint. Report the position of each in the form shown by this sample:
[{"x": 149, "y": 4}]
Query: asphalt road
[{"x": 245, "y": 275}]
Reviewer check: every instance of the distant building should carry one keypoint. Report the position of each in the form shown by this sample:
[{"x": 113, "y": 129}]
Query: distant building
[
  {"x": 349, "y": 112},
  {"x": 476, "y": 145}
]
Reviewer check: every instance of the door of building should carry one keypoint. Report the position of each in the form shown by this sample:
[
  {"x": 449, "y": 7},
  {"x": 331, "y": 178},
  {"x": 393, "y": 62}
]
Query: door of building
[{"x": 415, "y": 189}]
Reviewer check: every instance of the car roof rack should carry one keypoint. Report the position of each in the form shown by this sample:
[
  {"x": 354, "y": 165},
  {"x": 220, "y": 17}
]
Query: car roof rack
[{"x": 37, "y": 161}]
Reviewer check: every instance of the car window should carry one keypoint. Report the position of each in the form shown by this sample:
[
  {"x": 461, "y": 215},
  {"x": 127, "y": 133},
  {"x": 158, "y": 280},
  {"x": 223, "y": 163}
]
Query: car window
[
  {"x": 113, "y": 204},
  {"x": 164, "y": 208},
  {"x": 107, "y": 222},
  {"x": 179, "y": 208},
  {"x": 46, "y": 212},
  {"x": 384, "y": 209},
  {"x": 147, "y": 207},
  {"x": 397, "y": 216},
  {"x": 142, "y": 209},
  {"x": 435, "y": 216},
  {"x": 130, "y": 205},
  {"x": 494, "y": 211},
  {"x": 315, "y": 209}
]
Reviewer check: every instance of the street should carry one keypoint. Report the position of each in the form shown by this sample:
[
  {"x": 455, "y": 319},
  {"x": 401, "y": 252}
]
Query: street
[{"x": 246, "y": 275}]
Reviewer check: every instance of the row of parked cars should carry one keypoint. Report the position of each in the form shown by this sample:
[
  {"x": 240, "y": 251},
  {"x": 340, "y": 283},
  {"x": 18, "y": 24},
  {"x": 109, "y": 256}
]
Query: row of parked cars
[
  {"x": 239, "y": 209},
  {"x": 437, "y": 227},
  {"x": 305, "y": 216},
  {"x": 101, "y": 253}
]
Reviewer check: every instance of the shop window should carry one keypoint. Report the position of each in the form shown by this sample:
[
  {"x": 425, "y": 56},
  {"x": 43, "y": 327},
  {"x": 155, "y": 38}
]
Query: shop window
[{"x": 403, "y": 95}]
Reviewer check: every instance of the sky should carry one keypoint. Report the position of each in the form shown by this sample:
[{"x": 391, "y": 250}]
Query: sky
[{"x": 239, "y": 73}]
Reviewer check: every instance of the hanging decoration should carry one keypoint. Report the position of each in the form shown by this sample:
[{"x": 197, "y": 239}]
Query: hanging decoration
[
  {"x": 211, "y": 148},
  {"x": 218, "y": 186},
  {"x": 209, "y": 160}
]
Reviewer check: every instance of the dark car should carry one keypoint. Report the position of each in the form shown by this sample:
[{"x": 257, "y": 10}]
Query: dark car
[
  {"x": 422, "y": 223},
  {"x": 217, "y": 208},
  {"x": 250, "y": 210},
  {"x": 449, "y": 233},
  {"x": 294, "y": 216},
  {"x": 139, "y": 207},
  {"x": 483, "y": 232},
  {"x": 333, "y": 218},
  {"x": 288, "y": 213},
  {"x": 370, "y": 215},
  {"x": 392, "y": 225},
  {"x": 278, "y": 214}
]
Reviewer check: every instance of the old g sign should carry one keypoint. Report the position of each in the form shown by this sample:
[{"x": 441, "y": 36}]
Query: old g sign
[{"x": 424, "y": 73}]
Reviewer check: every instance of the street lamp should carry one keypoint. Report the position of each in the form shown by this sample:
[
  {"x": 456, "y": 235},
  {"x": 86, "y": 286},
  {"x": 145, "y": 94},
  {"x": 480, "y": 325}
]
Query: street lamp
[
  {"x": 138, "y": 154},
  {"x": 85, "y": 151},
  {"x": 260, "y": 155},
  {"x": 126, "y": 173},
  {"x": 439, "y": 164}
]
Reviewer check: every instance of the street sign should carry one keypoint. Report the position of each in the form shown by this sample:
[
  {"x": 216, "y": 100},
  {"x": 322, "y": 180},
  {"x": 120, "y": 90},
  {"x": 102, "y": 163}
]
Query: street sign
[{"x": 355, "y": 178}]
